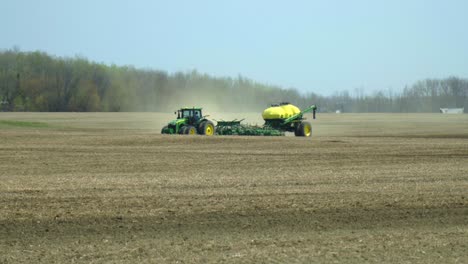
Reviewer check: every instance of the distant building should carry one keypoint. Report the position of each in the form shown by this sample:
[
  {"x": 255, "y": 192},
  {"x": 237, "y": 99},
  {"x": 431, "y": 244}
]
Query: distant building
[
  {"x": 4, "y": 105},
  {"x": 452, "y": 110}
]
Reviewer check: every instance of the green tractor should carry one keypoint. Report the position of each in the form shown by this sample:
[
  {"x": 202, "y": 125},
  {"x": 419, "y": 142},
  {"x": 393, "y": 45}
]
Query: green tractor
[{"x": 190, "y": 121}]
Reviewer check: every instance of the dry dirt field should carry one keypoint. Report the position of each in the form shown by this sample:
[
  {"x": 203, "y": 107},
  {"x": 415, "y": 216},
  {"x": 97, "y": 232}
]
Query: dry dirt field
[{"x": 108, "y": 188}]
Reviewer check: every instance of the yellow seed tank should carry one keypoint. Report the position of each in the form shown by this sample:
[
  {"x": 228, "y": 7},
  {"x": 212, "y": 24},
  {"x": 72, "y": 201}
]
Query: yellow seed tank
[{"x": 280, "y": 112}]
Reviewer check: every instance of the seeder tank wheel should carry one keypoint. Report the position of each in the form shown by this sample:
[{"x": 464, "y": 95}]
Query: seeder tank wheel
[{"x": 304, "y": 130}]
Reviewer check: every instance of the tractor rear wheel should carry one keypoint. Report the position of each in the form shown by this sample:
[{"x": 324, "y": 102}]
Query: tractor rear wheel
[
  {"x": 190, "y": 130},
  {"x": 200, "y": 127},
  {"x": 208, "y": 128},
  {"x": 304, "y": 129}
]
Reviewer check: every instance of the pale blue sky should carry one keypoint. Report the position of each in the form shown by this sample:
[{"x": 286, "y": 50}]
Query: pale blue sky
[{"x": 319, "y": 46}]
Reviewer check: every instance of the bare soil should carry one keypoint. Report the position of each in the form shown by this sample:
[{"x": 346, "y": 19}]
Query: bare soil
[{"x": 107, "y": 187}]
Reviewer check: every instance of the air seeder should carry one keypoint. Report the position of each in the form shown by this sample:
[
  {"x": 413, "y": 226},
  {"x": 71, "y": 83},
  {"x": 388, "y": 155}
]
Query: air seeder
[{"x": 279, "y": 118}]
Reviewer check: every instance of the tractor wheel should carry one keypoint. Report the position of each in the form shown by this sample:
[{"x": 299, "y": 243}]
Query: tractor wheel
[
  {"x": 182, "y": 130},
  {"x": 208, "y": 128},
  {"x": 201, "y": 127},
  {"x": 304, "y": 130},
  {"x": 164, "y": 130},
  {"x": 190, "y": 130}
]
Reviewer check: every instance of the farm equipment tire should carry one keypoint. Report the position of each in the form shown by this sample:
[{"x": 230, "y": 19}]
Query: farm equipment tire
[
  {"x": 190, "y": 130},
  {"x": 304, "y": 129},
  {"x": 297, "y": 131},
  {"x": 182, "y": 130},
  {"x": 164, "y": 130},
  {"x": 207, "y": 128},
  {"x": 200, "y": 127}
]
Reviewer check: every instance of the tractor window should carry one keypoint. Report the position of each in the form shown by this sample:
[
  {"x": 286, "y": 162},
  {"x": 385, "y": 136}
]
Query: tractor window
[{"x": 186, "y": 113}]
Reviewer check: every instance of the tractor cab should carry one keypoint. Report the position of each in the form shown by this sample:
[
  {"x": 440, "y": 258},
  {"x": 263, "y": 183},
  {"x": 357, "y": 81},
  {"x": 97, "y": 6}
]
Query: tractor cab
[{"x": 191, "y": 114}]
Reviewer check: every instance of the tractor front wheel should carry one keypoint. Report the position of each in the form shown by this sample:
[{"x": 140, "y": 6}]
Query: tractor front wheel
[
  {"x": 164, "y": 130},
  {"x": 190, "y": 130},
  {"x": 304, "y": 129}
]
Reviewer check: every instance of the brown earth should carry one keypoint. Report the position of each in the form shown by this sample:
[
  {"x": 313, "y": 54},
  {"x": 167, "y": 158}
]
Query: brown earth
[{"x": 107, "y": 187}]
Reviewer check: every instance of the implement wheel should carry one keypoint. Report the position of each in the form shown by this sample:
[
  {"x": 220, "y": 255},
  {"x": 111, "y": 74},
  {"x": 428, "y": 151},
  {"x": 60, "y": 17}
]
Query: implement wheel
[
  {"x": 297, "y": 131},
  {"x": 304, "y": 129},
  {"x": 190, "y": 130},
  {"x": 207, "y": 128}
]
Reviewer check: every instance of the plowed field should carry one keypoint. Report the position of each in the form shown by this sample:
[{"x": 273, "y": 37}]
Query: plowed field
[{"x": 94, "y": 188}]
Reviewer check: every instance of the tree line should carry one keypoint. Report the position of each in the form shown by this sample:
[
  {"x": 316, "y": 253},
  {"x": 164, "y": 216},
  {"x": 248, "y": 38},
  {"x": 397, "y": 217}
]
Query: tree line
[{"x": 36, "y": 81}]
